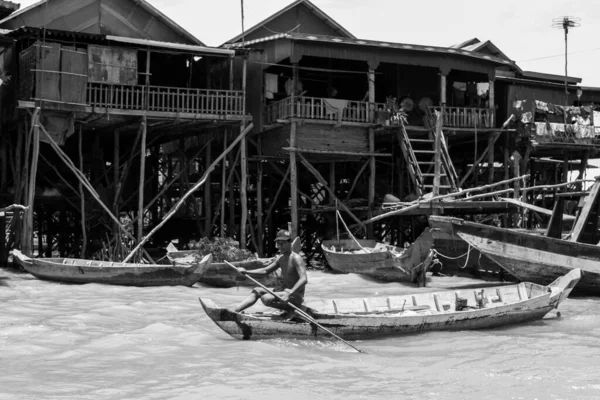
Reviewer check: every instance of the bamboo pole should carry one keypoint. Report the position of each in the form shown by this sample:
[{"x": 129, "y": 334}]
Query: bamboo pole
[
  {"x": 280, "y": 172},
  {"x": 243, "y": 164},
  {"x": 207, "y": 192},
  {"x": 28, "y": 236},
  {"x": 85, "y": 183},
  {"x": 223, "y": 176},
  {"x": 127, "y": 167},
  {"x": 323, "y": 182},
  {"x": 116, "y": 169},
  {"x": 355, "y": 181},
  {"x": 140, "y": 222},
  {"x": 293, "y": 179},
  {"x": 372, "y": 164},
  {"x": 417, "y": 203},
  {"x": 259, "y": 201},
  {"x": 491, "y": 142},
  {"x": 274, "y": 199},
  {"x": 227, "y": 184},
  {"x": 189, "y": 192},
  {"x": 83, "y": 228},
  {"x": 437, "y": 156},
  {"x": 243, "y": 192}
]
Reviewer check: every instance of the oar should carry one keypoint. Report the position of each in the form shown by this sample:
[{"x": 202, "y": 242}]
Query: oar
[{"x": 304, "y": 315}]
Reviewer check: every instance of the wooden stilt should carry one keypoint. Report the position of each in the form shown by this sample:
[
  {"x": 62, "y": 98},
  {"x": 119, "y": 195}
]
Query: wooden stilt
[
  {"x": 140, "y": 222},
  {"x": 259, "y": 202},
  {"x": 116, "y": 171},
  {"x": 490, "y": 160},
  {"x": 207, "y": 192},
  {"x": 332, "y": 179},
  {"x": 437, "y": 167},
  {"x": 223, "y": 187},
  {"x": 372, "y": 176},
  {"x": 81, "y": 195},
  {"x": 27, "y": 244},
  {"x": 323, "y": 182},
  {"x": 85, "y": 182},
  {"x": 243, "y": 193},
  {"x": 293, "y": 182},
  {"x": 244, "y": 166},
  {"x": 189, "y": 192}
]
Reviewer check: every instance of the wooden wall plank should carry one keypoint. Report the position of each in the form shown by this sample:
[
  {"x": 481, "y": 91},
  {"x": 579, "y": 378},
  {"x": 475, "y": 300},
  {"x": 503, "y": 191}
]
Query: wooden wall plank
[
  {"x": 47, "y": 77},
  {"x": 73, "y": 83}
]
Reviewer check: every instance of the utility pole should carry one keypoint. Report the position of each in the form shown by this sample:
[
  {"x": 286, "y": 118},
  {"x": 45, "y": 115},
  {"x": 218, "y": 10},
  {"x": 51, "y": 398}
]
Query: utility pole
[{"x": 565, "y": 23}]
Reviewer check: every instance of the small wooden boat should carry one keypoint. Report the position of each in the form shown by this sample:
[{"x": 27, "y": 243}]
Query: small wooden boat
[
  {"x": 75, "y": 270},
  {"x": 530, "y": 257},
  {"x": 219, "y": 274},
  {"x": 377, "y": 317},
  {"x": 379, "y": 260},
  {"x": 222, "y": 275}
]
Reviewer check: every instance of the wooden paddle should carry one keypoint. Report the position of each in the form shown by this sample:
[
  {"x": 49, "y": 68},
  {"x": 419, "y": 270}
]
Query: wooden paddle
[{"x": 301, "y": 313}]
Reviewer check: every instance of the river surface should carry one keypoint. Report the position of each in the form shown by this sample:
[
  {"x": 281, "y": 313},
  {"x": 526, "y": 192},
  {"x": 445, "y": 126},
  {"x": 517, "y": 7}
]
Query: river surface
[{"x": 63, "y": 341}]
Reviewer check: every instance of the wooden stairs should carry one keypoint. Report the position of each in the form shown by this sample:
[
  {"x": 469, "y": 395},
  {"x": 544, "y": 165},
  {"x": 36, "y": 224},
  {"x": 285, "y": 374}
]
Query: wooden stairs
[{"x": 419, "y": 150}]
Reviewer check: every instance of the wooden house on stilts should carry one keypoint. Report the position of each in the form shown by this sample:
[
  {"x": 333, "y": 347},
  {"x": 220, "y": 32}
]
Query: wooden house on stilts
[
  {"x": 117, "y": 113},
  {"x": 349, "y": 123}
]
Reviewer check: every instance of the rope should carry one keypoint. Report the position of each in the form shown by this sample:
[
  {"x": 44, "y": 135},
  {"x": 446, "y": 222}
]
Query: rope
[{"x": 467, "y": 254}]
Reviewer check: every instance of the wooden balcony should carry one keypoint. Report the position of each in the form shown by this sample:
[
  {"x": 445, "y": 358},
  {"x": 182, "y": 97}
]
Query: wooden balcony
[
  {"x": 466, "y": 117},
  {"x": 359, "y": 112},
  {"x": 165, "y": 99},
  {"x": 317, "y": 108}
]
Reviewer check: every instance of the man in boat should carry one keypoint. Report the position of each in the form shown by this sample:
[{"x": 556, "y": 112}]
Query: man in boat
[{"x": 293, "y": 271}]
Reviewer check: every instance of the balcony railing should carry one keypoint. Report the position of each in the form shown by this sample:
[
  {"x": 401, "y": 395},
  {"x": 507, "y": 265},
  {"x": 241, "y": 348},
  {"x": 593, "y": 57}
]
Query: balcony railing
[
  {"x": 321, "y": 109},
  {"x": 466, "y": 117},
  {"x": 165, "y": 99},
  {"x": 359, "y": 111}
]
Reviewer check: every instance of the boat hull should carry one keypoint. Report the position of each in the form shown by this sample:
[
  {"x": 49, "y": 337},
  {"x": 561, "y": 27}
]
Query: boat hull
[
  {"x": 374, "y": 318},
  {"x": 384, "y": 265},
  {"x": 531, "y": 257},
  {"x": 73, "y": 270},
  {"x": 219, "y": 274}
]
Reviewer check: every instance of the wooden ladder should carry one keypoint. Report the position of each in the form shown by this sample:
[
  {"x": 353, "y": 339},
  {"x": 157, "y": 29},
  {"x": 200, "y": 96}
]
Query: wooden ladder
[{"x": 419, "y": 152}]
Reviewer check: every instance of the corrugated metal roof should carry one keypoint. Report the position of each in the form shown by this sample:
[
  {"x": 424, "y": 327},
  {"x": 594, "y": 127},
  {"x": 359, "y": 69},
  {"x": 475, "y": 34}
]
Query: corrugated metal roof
[
  {"x": 176, "y": 46},
  {"x": 379, "y": 44}
]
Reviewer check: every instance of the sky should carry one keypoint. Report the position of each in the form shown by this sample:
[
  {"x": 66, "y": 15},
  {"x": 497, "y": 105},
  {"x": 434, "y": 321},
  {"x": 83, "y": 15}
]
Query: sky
[{"x": 521, "y": 29}]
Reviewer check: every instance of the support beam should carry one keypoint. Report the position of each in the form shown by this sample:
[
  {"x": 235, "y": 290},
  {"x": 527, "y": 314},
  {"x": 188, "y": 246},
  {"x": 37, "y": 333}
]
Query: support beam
[
  {"x": 259, "y": 201},
  {"x": 207, "y": 192},
  {"x": 190, "y": 192},
  {"x": 294, "y": 181},
  {"x": 27, "y": 244},
  {"x": 81, "y": 194},
  {"x": 140, "y": 212},
  {"x": 243, "y": 166},
  {"x": 437, "y": 163},
  {"x": 223, "y": 188},
  {"x": 323, "y": 182},
  {"x": 116, "y": 171},
  {"x": 443, "y": 84},
  {"x": 372, "y": 179}
]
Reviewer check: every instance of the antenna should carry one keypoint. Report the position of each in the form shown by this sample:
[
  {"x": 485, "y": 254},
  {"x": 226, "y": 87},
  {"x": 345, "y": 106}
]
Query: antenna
[{"x": 565, "y": 23}]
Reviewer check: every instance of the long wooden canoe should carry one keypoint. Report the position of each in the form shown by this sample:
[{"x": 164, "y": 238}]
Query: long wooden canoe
[
  {"x": 531, "y": 257},
  {"x": 379, "y": 260},
  {"x": 377, "y": 317},
  {"x": 76, "y": 270}
]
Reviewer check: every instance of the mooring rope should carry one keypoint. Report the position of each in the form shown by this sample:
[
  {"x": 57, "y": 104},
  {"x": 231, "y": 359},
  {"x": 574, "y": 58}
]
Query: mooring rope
[{"x": 468, "y": 253}]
